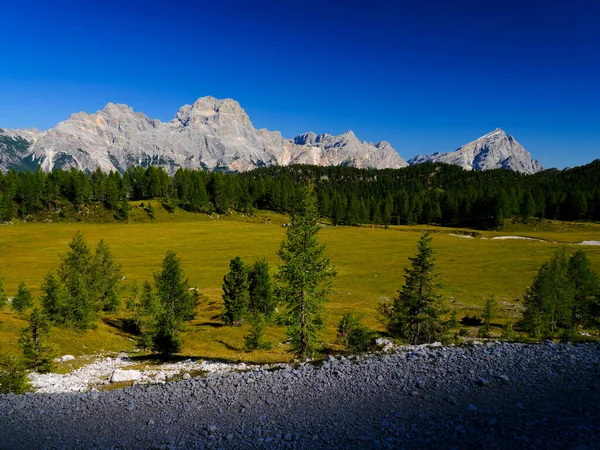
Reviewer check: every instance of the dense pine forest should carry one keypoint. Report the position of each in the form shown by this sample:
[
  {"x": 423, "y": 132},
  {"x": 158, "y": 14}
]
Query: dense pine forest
[{"x": 421, "y": 194}]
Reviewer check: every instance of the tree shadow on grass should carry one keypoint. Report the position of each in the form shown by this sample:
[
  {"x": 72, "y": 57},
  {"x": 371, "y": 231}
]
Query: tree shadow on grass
[
  {"x": 229, "y": 346},
  {"x": 127, "y": 327},
  {"x": 210, "y": 324},
  {"x": 160, "y": 359}
]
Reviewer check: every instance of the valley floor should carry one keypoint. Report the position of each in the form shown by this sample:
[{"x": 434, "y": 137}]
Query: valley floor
[{"x": 497, "y": 395}]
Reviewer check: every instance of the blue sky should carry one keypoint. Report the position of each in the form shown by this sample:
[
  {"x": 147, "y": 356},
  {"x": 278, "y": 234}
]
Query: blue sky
[{"x": 425, "y": 75}]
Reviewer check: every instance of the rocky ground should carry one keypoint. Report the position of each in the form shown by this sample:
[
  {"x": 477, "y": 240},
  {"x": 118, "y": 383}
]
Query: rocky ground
[
  {"x": 121, "y": 368},
  {"x": 496, "y": 395}
]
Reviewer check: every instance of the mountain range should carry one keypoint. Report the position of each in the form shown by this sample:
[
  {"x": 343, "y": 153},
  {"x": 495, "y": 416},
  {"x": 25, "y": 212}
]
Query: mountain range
[{"x": 215, "y": 134}]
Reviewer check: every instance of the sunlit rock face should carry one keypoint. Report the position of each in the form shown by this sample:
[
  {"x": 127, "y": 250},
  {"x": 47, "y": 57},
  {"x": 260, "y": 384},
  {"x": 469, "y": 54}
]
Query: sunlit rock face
[
  {"x": 209, "y": 134},
  {"x": 495, "y": 150}
]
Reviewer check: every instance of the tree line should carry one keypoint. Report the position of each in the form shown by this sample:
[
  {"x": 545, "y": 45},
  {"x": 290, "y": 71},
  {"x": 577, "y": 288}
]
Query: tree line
[
  {"x": 420, "y": 194},
  {"x": 563, "y": 298}
]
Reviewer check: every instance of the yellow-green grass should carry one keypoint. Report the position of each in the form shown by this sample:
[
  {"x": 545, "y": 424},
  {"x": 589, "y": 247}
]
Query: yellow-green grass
[{"x": 370, "y": 263}]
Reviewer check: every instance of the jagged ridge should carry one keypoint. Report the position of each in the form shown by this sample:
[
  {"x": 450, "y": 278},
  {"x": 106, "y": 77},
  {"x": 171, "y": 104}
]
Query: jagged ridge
[{"x": 209, "y": 134}]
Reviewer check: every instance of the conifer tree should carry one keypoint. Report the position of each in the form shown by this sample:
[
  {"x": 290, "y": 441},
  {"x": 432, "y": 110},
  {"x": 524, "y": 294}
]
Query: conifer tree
[
  {"x": 305, "y": 276},
  {"x": 74, "y": 272},
  {"x": 261, "y": 290},
  {"x": 255, "y": 339},
  {"x": 355, "y": 336},
  {"x": 586, "y": 290},
  {"x": 6, "y": 208},
  {"x": 105, "y": 277},
  {"x": 123, "y": 211},
  {"x": 37, "y": 355},
  {"x": 548, "y": 300},
  {"x": 236, "y": 292},
  {"x": 176, "y": 304},
  {"x": 489, "y": 312},
  {"x": 414, "y": 314},
  {"x": 23, "y": 299},
  {"x": 144, "y": 310},
  {"x": 54, "y": 298},
  {"x": 13, "y": 377}
]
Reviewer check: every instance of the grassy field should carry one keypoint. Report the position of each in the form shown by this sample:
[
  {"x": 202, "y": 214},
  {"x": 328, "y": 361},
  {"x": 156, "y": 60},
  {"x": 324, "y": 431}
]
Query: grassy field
[{"x": 370, "y": 263}]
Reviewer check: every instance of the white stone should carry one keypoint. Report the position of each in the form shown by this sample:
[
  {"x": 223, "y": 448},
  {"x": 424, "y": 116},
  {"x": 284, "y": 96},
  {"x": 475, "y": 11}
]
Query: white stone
[
  {"x": 125, "y": 375},
  {"x": 385, "y": 344}
]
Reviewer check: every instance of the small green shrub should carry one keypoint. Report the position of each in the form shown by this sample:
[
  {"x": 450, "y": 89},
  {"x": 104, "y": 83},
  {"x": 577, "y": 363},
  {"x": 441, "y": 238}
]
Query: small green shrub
[
  {"x": 508, "y": 332},
  {"x": 255, "y": 339},
  {"x": 355, "y": 336},
  {"x": 13, "y": 377}
]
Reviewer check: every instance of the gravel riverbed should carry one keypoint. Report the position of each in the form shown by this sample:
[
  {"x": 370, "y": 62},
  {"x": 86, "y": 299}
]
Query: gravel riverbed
[{"x": 497, "y": 395}]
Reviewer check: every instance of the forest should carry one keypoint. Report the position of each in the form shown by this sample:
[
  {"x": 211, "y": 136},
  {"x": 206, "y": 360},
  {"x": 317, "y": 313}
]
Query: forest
[{"x": 422, "y": 194}]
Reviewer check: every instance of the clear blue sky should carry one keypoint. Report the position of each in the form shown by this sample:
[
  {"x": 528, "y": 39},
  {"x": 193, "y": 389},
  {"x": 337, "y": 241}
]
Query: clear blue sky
[{"x": 425, "y": 75}]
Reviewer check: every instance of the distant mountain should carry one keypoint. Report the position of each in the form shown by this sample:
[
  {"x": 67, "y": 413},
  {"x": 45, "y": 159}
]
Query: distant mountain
[
  {"x": 210, "y": 134},
  {"x": 495, "y": 150}
]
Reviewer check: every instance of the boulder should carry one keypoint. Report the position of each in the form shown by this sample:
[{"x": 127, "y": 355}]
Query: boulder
[{"x": 119, "y": 375}]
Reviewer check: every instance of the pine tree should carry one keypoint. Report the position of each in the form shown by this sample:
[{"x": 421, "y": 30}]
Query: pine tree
[
  {"x": 144, "y": 311},
  {"x": 305, "y": 276},
  {"x": 489, "y": 312},
  {"x": 255, "y": 339},
  {"x": 415, "y": 312},
  {"x": 23, "y": 299},
  {"x": 6, "y": 208},
  {"x": 548, "y": 301},
  {"x": 586, "y": 290},
  {"x": 54, "y": 298},
  {"x": 74, "y": 272},
  {"x": 105, "y": 277},
  {"x": 261, "y": 290},
  {"x": 355, "y": 336},
  {"x": 236, "y": 292},
  {"x": 37, "y": 355},
  {"x": 123, "y": 211},
  {"x": 176, "y": 305}
]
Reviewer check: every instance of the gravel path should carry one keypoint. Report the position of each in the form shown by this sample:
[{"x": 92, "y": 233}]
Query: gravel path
[{"x": 488, "y": 396}]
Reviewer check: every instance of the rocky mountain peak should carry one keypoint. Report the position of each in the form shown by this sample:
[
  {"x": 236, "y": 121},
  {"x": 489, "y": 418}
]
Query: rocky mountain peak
[
  {"x": 494, "y": 150},
  {"x": 216, "y": 133},
  {"x": 308, "y": 138},
  {"x": 208, "y": 109},
  {"x": 116, "y": 108}
]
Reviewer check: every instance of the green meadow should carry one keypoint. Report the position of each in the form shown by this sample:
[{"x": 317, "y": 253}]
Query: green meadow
[{"x": 370, "y": 263}]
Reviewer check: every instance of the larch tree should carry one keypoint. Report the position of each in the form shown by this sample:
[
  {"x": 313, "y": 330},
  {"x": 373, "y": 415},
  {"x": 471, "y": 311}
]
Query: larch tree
[
  {"x": 489, "y": 312},
  {"x": 305, "y": 275},
  {"x": 548, "y": 301},
  {"x": 176, "y": 304},
  {"x": 236, "y": 292},
  {"x": 586, "y": 290},
  {"x": 54, "y": 298},
  {"x": 262, "y": 299},
  {"x": 37, "y": 355},
  {"x": 74, "y": 273},
  {"x": 414, "y": 314},
  {"x": 105, "y": 278},
  {"x": 23, "y": 299}
]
